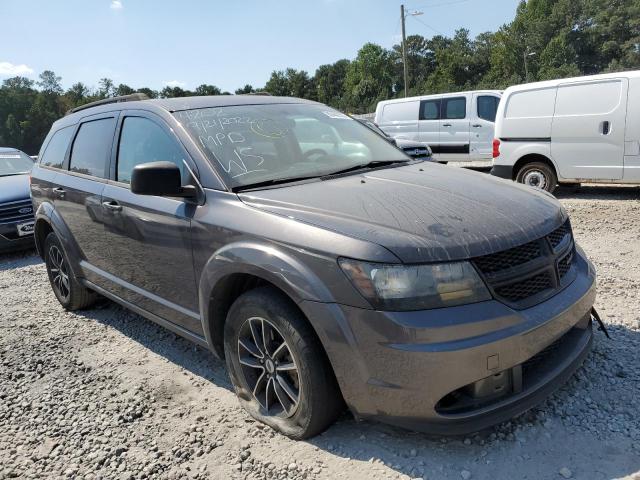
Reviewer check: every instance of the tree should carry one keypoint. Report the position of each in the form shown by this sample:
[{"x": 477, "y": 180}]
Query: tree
[
  {"x": 123, "y": 89},
  {"x": 208, "y": 90},
  {"x": 148, "y": 92},
  {"x": 290, "y": 83},
  {"x": 369, "y": 78},
  {"x": 106, "y": 88},
  {"x": 172, "y": 92},
  {"x": 244, "y": 90},
  {"x": 329, "y": 83},
  {"x": 50, "y": 83}
]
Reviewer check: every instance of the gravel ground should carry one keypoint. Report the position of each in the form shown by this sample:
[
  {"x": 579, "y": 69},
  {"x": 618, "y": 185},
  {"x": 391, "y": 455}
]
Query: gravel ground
[{"x": 106, "y": 394}]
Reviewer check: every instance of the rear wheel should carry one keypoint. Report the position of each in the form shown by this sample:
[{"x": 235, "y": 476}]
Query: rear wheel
[
  {"x": 538, "y": 175},
  {"x": 70, "y": 293},
  {"x": 277, "y": 366}
]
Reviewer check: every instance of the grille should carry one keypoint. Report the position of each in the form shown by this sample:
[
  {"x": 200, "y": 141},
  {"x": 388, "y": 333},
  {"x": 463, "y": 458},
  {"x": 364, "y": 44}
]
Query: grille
[
  {"x": 557, "y": 236},
  {"x": 565, "y": 264},
  {"x": 16, "y": 211},
  {"x": 515, "y": 280},
  {"x": 509, "y": 258},
  {"x": 526, "y": 288}
]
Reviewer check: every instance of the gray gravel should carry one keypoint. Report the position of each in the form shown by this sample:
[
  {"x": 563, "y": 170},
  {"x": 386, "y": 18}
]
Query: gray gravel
[{"x": 106, "y": 394}]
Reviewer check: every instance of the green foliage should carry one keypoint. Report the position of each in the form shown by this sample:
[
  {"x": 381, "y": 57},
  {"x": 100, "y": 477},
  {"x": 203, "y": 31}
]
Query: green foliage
[{"x": 546, "y": 39}]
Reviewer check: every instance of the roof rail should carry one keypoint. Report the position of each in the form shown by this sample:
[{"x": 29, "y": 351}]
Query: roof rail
[
  {"x": 260, "y": 93},
  {"x": 123, "y": 98}
]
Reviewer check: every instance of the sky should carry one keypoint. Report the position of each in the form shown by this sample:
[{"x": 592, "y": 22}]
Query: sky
[{"x": 154, "y": 43}]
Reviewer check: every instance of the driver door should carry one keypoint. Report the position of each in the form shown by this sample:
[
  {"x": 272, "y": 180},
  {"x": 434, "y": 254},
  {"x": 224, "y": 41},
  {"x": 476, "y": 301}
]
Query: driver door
[{"x": 149, "y": 237}]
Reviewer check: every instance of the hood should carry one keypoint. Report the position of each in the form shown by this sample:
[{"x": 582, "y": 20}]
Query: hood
[
  {"x": 422, "y": 212},
  {"x": 14, "y": 187}
]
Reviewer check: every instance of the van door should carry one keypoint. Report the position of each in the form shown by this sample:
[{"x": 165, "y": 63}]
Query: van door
[
  {"x": 454, "y": 129},
  {"x": 429, "y": 124},
  {"x": 588, "y": 130},
  {"x": 484, "y": 108}
]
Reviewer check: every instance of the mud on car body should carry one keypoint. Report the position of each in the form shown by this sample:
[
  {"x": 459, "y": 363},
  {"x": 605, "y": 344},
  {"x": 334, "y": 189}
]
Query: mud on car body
[{"x": 324, "y": 265}]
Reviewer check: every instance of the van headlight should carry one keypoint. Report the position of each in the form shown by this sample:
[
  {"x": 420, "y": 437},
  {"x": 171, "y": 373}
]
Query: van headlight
[{"x": 416, "y": 287}]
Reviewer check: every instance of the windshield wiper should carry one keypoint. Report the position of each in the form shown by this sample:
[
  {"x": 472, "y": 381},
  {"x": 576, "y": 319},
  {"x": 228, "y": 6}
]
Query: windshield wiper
[
  {"x": 364, "y": 166},
  {"x": 272, "y": 182}
]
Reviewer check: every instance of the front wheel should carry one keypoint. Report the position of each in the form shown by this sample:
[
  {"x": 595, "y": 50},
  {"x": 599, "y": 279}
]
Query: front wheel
[
  {"x": 538, "y": 175},
  {"x": 278, "y": 368}
]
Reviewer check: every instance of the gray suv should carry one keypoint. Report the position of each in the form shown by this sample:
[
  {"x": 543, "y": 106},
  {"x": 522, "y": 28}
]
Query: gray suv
[{"x": 324, "y": 265}]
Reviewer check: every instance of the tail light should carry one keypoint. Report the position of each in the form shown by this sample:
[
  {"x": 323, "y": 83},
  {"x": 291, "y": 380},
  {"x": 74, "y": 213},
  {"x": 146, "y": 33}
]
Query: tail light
[{"x": 496, "y": 148}]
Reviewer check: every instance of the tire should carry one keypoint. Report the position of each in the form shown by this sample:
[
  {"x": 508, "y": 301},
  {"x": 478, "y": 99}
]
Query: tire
[
  {"x": 70, "y": 293},
  {"x": 538, "y": 175},
  {"x": 268, "y": 385}
]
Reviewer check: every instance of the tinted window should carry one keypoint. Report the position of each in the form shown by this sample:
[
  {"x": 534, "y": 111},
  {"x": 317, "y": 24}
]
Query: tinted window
[
  {"x": 144, "y": 141},
  {"x": 400, "y": 111},
  {"x": 54, "y": 153},
  {"x": 430, "y": 110},
  {"x": 92, "y": 147},
  {"x": 487, "y": 107},
  {"x": 454, "y": 108}
]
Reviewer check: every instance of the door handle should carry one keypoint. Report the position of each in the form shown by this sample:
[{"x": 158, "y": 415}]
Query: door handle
[
  {"x": 446, "y": 124},
  {"x": 59, "y": 192},
  {"x": 606, "y": 127},
  {"x": 477, "y": 125},
  {"x": 112, "y": 205}
]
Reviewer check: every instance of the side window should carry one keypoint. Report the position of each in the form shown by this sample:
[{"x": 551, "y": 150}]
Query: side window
[
  {"x": 454, "y": 108},
  {"x": 53, "y": 155},
  {"x": 487, "y": 107},
  {"x": 430, "y": 110},
  {"x": 144, "y": 141},
  {"x": 92, "y": 147}
]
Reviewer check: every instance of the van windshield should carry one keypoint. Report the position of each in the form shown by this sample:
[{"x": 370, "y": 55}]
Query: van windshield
[{"x": 253, "y": 144}]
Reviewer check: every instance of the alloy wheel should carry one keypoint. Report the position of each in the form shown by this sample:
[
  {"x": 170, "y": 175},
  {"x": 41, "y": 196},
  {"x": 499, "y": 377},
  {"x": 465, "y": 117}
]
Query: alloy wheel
[
  {"x": 59, "y": 272},
  {"x": 269, "y": 368}
]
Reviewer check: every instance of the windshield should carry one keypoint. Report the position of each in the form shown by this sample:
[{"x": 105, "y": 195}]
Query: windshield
[
  {"x": 260, "y": 143},
  {"x": 14, "y": 163}
]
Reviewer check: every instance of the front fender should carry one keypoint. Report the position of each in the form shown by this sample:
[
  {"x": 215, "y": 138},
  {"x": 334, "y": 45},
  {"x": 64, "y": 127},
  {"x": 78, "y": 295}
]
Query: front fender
[{"x": 273, "y": 263}]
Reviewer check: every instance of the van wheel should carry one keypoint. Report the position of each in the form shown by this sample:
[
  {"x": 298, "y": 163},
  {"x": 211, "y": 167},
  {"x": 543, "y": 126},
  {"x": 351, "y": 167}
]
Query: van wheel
[
  {"x": 277, "y": 366},
  {"x": 538, "y": 175},
  {"x": 70, "y": 293}
]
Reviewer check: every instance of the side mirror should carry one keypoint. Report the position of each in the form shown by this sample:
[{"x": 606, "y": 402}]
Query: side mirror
[{"x": 161, "y": 179}]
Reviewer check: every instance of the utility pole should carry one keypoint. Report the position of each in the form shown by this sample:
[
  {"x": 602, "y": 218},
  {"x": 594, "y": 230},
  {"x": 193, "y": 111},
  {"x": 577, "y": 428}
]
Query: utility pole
[{"x": 404, "y": 51}]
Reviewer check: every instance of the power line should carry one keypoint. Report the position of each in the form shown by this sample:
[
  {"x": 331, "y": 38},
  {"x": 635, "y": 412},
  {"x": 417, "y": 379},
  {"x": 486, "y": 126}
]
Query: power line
[
  {"x": 442, "y": 4},
  {"x": 429, "y": 26}
]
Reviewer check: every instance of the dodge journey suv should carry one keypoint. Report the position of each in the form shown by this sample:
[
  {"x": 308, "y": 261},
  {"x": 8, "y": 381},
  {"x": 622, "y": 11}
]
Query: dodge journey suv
[{"x": 325, "y": 269}]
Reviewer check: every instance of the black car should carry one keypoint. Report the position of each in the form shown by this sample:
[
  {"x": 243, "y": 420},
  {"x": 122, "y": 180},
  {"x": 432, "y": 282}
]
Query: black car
[
  {"x": 16, "y": 210},
  {"x": 411, "y": 148},
  {"x": 324, "y": 265}
]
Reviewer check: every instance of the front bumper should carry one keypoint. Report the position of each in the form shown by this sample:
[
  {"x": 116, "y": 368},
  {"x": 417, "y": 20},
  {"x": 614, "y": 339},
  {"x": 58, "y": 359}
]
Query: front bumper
[
  {"x": 399, "y": 367},
  {"x": 10, "y": 241}
]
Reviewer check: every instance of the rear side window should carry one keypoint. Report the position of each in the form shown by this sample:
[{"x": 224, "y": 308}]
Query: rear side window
[
  {"x": 92, "y": 147},
  {"x": 588, "y": 98},
  {"x": 400, "y": 112},
  {"x": 454, "y": 108},
  {"x": 53, "y": 155},
  {"x": 144, "y": 141},
  {"x": 430, "y": 110},
  {"x": 487, "y": 107}
]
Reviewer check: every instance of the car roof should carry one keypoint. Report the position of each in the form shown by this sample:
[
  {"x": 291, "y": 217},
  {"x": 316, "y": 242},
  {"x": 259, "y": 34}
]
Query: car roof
[
  {"x": 9, "y": 150},
  {"x": 560, "y": 81}
]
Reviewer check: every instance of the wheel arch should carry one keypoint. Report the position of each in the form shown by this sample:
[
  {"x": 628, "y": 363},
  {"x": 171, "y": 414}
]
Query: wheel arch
[{"x": 530, "y": 158}]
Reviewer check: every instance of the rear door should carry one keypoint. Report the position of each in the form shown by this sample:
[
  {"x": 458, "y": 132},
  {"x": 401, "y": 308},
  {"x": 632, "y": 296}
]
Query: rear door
[
  {"x": 454, "y": 128},
  {"x": 484, "y": 108},
  {"x": 588, "y": 130},
  {"x": 430, "y": 123},
  {"x": 150, "y": 237},
  {"x": 78, "y": 193}
]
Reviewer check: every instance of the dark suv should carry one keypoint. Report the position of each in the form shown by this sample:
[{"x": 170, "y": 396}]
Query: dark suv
[{"x": 322, "y": 263}]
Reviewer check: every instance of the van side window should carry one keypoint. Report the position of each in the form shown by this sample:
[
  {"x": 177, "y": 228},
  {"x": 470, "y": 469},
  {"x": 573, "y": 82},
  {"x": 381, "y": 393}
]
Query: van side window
[
  {"x": 454, "y": 108},
  {"x": 430, "y": 110},
  {"x": 143, "y": 141},
  {"x": 53, "y": 155},
  {"x": 92, "y": 147},
  {"x": 487, "y": 107}
]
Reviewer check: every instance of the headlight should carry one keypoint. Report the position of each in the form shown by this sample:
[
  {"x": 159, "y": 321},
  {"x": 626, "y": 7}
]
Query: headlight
[{"x": 416, "y": 287}]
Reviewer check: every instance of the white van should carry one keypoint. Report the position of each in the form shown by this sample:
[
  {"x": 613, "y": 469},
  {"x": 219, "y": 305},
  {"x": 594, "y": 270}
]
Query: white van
[
  {"x": 457, "y": 126},
  {"x": 574, "y": 130}
]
